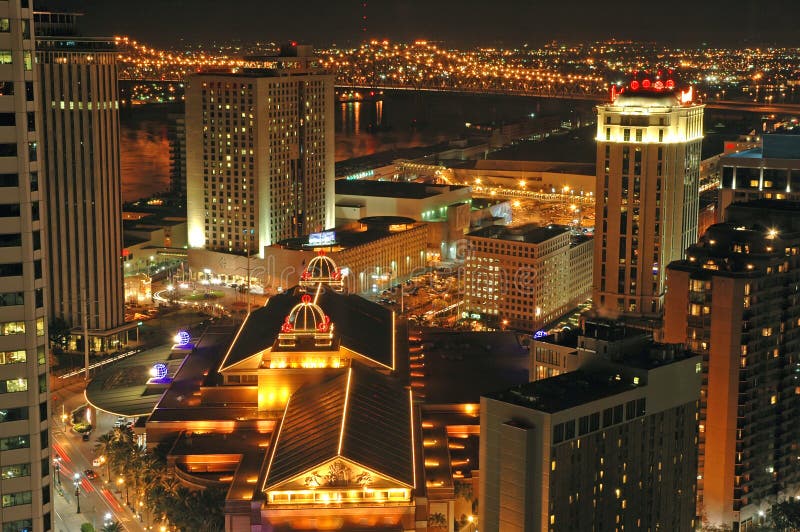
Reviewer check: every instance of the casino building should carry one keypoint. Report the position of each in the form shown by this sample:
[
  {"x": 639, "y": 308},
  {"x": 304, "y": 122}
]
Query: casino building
[{"x": 300, "y": 415}]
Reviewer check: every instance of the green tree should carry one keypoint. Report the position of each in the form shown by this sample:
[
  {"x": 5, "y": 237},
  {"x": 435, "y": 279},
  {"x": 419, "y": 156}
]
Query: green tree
[
  {"x": 103, "y": 447},
  {"x": 58, "y": 331},
  {"x": 87, "y": 527},
  {"x": 786, "y": 515},
  {"x": 114, "y": 526}
]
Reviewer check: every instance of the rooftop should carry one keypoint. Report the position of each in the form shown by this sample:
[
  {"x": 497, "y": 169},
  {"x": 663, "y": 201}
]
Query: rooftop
[
  {"x": 362, "y": 326},
  {"x": 564, "y": 391},
  {"x": 371, "y": 229},
  {"x": 461, "y": 366},
  {"x": 529, "y": 233},
  {"x": 392, "y": 189},
  {"x": 360, "y": 415}
]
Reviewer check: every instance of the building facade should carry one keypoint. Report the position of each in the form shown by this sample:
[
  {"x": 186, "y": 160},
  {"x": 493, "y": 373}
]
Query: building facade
[
  {"x": 648, "y": 160},
  {"x": 260, "y": 159},
  {"x": 526, "y": 277},
  {"x": 80, "y": 157},
  {"x": 176, "y": 134},
  {"x": 25, "y": 486},
  {"x": 610, "y": 446},
  {"x": 769, "y": 171},
  {"x": 373, "y": 256},
  {"x": 735, "y": 299}
]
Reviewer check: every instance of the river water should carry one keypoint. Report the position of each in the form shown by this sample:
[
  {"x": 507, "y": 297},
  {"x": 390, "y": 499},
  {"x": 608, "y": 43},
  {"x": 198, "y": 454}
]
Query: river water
[{"x": 401, "y": 119}]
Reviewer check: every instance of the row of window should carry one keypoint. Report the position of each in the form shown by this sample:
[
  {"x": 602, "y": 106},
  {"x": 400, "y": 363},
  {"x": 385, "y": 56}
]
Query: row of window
[
  {"x": 14, "y": 385},
  {"x": 611, "y": 416},
  {"x": 9, "y": 328},
  {"x": 16, "y": 499}
]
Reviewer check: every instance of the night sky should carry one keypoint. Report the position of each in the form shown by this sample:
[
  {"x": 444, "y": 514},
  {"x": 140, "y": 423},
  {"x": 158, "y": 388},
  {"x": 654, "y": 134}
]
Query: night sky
[{"x": 464, "y": 22}]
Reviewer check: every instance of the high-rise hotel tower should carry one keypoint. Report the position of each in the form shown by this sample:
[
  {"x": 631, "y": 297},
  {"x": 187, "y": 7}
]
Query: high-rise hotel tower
[
  {"x": 24, "y": 443},
  {"x": 648, "y": 162},
  {"x": 260, "y": 155}
]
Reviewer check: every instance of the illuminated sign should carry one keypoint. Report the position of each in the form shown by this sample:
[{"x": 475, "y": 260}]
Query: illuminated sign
[
  {"x": 539, "y": 334},
  {"x": 158, "y": 371},
  {"x": 325, "y": 238},
  {"x": 182, "y": 338}
]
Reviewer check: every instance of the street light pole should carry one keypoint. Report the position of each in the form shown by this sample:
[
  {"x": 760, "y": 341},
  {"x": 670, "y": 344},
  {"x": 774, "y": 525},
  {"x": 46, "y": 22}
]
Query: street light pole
[
  {"x": 57, "y": 466},
  {"x": 77, "y": 482}
]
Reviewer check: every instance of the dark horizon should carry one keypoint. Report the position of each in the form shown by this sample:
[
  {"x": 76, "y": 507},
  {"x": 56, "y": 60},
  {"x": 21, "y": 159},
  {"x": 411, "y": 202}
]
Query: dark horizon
[{"x": 464, "y": 23}]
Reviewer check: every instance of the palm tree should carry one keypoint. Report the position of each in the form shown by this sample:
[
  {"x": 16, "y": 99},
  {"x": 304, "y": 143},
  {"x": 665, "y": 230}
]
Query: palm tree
[
  {"x": 114, "y": 526},
  {"x": 103, "y": 447}
]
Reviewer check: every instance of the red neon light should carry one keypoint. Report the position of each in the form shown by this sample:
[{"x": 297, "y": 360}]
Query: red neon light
[
  {"x": 658, "y": 85},
  {"x": 306, "y": 299},
  {"x": 634, "y": 85},
  {"x": 613, "y": 92},
  {"x": 645, "y": 83},
  {"x": 670, "y": 84}
]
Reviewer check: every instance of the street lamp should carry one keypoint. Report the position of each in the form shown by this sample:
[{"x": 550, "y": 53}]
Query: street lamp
[
  {"x": 77, "y": 482},
  {"x": 57, "y": 467}
]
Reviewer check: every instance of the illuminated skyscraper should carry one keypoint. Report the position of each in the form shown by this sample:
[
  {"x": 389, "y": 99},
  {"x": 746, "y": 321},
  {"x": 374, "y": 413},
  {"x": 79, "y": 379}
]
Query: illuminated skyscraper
[
  {"x": 648, "y": 162},
  {"x": 260, "y": 153},
  {"x": 734, "y": 301},
  {"x": 80, "y": 157},
  {"x": 25, "y": 486}
]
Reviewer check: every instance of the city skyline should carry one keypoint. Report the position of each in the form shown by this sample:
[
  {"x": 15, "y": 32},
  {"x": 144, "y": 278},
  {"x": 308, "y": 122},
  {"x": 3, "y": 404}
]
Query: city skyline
[
  {"x": 471, "y": 22},
  {"x": 546, "y": 287}
]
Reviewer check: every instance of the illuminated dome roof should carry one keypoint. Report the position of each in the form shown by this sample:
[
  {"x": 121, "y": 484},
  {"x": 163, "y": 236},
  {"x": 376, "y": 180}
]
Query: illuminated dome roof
[
  {"x": 306, "y": 318},
  {"x": 322, "y": 269},
  {"x": 647, "y": 99}
]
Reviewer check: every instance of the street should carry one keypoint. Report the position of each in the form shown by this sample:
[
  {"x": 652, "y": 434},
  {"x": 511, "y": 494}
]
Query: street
[{"x": 97, "y": 498}]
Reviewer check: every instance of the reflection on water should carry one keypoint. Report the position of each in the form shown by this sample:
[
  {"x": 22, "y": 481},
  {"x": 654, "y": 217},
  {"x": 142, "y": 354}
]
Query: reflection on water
[
  {"x": 144, "y": 157},
  {"x": 401, "y": 119}
]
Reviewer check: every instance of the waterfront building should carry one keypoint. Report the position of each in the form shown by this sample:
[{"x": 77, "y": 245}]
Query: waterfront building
[
  {"x": 80, "y": 157},
  {"x": 25, "y": 483},
  {"x": 526, "y": 277},
  {"x": 769, "y": 170},
  {"x": 446, "y": 209},
  {"x": 609, "y": 446},
  {"x": 734, "y": 301},
  {"x": 260, "y": 154},
  {"x": 648, "y": 163}
]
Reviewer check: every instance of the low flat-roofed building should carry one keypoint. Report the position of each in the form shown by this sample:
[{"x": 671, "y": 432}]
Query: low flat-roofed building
[
  {"x": 768, "y": 171},
  {"x": 446, "y": 209},
  {"x": 577, "y": 451},
  {"x": 373, "y": 253},
  {"x": 525, "y": 277}
]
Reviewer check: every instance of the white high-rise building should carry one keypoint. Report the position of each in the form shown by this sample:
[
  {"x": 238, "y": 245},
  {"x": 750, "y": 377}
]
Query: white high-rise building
[
  {"x": 648, "y": 164},
  {"x": 260, "y": 153},
  {"x": 25, "y": 486}
]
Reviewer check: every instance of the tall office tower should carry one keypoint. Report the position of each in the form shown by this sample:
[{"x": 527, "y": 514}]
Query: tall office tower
[
  {"x": 260, "y": 156},
  {"x": 648, "y": 163},
  {"x": 80, "y": 157},
  {"x": 25, "y": 486},
  {"x": 176, "y": 133},
  {"x": 611, "y": 446},
  {"x": 528, "y": 276},
  {"x": 735, "y": 297}
]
